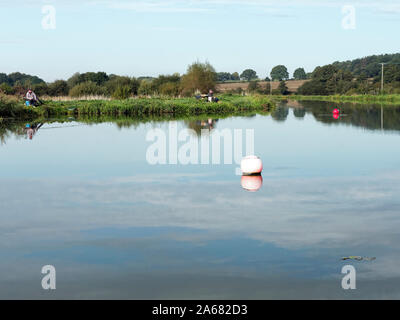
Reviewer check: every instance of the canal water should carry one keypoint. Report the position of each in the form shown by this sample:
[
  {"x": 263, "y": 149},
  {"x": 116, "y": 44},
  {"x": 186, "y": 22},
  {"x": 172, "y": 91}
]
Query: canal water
[{"x": 84, "y": 197}]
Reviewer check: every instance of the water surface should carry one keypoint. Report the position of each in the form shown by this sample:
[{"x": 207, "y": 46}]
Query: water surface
[{"x": 82, "y": 197}]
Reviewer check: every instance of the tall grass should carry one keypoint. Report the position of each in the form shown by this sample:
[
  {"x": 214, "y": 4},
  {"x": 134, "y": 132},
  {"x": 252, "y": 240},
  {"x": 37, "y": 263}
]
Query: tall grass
[
  {"x": 10, "y": 107},
  {"x": 145, "y": 107},
  {"x": 69, "y": 98}
]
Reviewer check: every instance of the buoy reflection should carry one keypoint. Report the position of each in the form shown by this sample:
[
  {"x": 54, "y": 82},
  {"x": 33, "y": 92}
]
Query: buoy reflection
[{"x": 252, "y": 183}]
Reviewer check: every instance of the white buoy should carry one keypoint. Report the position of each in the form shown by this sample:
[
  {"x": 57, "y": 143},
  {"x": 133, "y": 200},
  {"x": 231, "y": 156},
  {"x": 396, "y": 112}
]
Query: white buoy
[{"x": 251, "y": 165}]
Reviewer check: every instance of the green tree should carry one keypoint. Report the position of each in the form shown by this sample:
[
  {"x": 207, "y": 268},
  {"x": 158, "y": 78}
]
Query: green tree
[
  {"x": 169, "y": 89},
  {"x": 116, "y": 82},
  {"x": 17, "y": 78},
  {"x": 6, "y": 88},
  {"x": 324, "y": 73},
  {"x": 4, "y": 79},
  {"x": 392, "y": 73},
  {"x": 253, "y": 86},
  {"x": 146, "y": 88},
  {"x": 122, "y": 92},
  {"x": 299, "y": 74},
  {"x": 58, "y": 88},
  {"x": 199, "y": 76},
  {"x": 88, "y": 88},
  {"x": 279, "y": 73},
  {"x": 224, "y": 76},
  {"x": 97, "y": 77},
  {"x": 160, "y": 83},
  {"x": 41, "y": 89},
  {"x": 74, "y": 80},
  {"x": 235, "y": 76},
  {"x": 267, "y": 89},
  {"x": 283, "y": 89},
  {"x": 248, "y": 75},
  {"x": 313, "y": 87}
]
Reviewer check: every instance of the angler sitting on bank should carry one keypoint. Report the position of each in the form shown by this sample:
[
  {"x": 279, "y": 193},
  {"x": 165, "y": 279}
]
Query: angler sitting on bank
[
  {"x": 31, "y": 99},
  {"x": 209, "y": 97}
]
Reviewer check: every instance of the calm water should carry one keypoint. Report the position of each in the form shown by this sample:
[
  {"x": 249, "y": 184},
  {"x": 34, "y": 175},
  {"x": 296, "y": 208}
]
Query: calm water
[{"x": 82, "y": 197}]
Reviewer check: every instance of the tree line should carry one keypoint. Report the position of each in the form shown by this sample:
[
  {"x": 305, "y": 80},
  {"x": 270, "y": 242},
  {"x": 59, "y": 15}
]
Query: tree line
[
  {"x": 278, "y": 73},
  {"x": 359, "y": 76},
  {"x": 200, "y": 77},
  {"x": 330, "y": 79}
]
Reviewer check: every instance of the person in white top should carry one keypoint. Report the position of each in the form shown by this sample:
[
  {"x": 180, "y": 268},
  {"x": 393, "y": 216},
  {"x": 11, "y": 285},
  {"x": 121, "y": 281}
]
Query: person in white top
[{"x": 31, "y": 97}]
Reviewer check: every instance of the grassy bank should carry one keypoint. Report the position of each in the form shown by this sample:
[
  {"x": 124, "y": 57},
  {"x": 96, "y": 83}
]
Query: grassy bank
[
  {"x": 389, "y": 99},
  {"x": 13, "y": 108}
]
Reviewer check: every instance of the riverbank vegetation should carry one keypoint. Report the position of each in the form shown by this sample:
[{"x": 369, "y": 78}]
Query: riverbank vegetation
[
  {"x": 368, "y": 116},
  {"x": 386, "y": 99},
  {"x": 199, "y": 78},
  {"x": 229, "y": 104},
  {"x": 357, "y": 81}
]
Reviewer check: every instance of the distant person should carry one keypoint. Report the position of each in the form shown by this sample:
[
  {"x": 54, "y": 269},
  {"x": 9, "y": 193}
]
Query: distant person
[
  {"x": 210, "y": 96},
  {"x": 31, "y": 98}
]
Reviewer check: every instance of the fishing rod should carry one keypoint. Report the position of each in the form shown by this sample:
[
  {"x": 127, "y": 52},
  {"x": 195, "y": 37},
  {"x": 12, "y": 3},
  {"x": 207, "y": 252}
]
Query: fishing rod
[{"x": 77, "y": 125}]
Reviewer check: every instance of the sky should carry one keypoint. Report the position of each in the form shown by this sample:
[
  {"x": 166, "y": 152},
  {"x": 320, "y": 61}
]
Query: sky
[{"x": 56, "y": 38}]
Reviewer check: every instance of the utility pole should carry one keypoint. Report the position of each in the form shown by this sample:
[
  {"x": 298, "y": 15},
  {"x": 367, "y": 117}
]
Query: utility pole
[{"x": 382, "y": 77}]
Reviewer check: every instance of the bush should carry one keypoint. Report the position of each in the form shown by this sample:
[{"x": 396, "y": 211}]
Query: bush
[
  {"x": 58, "y": 88},
  {"x": 87, "y": 89},
  {"x": 10, "y": 106},
  {"x": 253, "y": 86},
  {"x": 6, "y": 88},
  {"x": 169, "y": 89},
  {"x": 146, "y": 88},
  {"x": 266, "y": 89},
  {"x": 313, "y": 87},
  {"x": 123, "y": 92},
  {"x": 116, "y": 82},
  {"x": 199, "y": 76},
  {"x": 283, "y": 89},
  {"x": 41, "y": 89}
]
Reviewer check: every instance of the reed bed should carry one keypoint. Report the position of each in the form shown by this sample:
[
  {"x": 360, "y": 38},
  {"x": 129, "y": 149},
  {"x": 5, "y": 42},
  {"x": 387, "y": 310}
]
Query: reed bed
[
  {"x": 140, "y": 107},
  {"x": 82, "y": 98}
]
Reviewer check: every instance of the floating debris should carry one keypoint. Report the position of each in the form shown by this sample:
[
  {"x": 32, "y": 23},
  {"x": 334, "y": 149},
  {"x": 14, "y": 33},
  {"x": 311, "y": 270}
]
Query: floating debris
[{"x": 358, "y": 258}]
